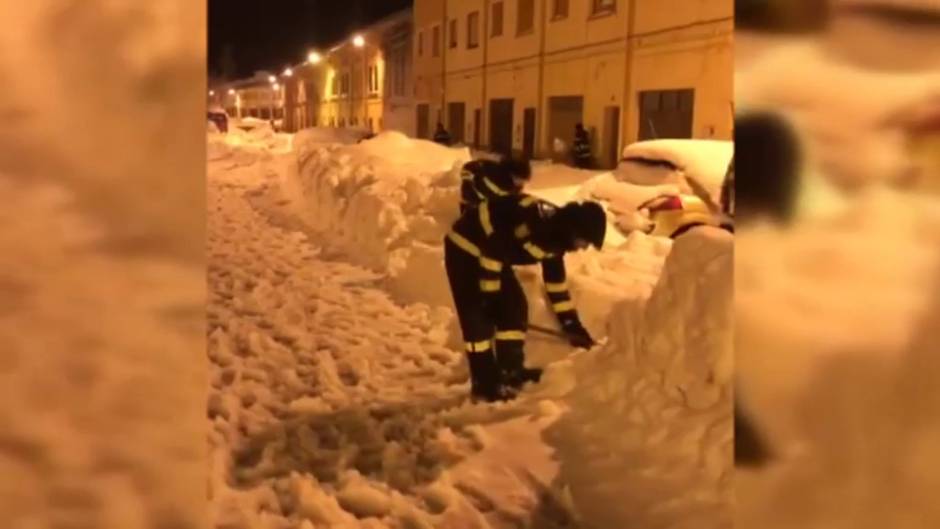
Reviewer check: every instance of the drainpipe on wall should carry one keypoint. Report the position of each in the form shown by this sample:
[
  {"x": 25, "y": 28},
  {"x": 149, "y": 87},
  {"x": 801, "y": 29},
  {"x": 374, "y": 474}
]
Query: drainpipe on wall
[
  {"x": 445, "y": 28},
  {"x": 484, "y": 138},
  {"x": 628, "y": 102},
  {"x": 539, "y": 107}
]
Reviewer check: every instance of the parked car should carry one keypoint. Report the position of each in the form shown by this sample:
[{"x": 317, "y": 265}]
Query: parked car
[
  {"x": 699, "y": 170},
  {"x": 219, "y": 117}
]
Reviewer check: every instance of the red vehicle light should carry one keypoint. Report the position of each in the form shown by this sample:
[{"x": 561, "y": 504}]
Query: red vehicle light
[{"x": 669, "y": 203}]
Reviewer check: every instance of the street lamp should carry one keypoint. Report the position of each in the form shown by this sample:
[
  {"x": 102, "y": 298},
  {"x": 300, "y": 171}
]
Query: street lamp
[
  {"x": 314, "y": 57},
  {"x": 275, "y": 86},
  {"x": 211, "y": 93},
  {"x": 272, "y": 79},
  {"x": 359, "y": 41},
  {"x": 231, "y": 91},
  {"x": 288, "y": 72}
]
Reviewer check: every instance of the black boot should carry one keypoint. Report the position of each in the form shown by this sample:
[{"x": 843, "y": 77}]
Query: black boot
[
  {"x": 511, "y": 359},
  {"x": 484, "y": 378}
]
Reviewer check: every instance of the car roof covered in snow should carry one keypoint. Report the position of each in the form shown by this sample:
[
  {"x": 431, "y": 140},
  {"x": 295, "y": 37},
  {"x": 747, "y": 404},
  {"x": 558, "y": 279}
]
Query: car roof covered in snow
[{"x": 704, "y": 160}]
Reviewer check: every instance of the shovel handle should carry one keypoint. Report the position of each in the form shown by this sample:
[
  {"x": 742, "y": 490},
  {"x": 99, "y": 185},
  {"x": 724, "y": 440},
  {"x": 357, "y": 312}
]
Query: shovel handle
[{"x": 546, "y": 330}]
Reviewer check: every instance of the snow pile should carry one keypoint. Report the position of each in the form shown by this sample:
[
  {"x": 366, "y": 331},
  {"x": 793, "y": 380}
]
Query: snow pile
[
  {"x": 386, "y": 203},
  {"x": 621, "y": 199},
  {"x": 647, "y": 441},
  {"x": 102, "y": 289},
  {"x": 319, "y": 135},
  {"x": 332, "y": 406},
  {"x": 833, "y": 322}
]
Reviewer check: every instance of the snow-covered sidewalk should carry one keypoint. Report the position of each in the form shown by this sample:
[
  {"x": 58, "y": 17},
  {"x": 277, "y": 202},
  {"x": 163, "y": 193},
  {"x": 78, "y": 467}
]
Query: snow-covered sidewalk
[{"x": 332, "y": 406}]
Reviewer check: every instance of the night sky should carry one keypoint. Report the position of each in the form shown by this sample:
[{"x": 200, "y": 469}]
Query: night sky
[{"x": 272, "y": 34}]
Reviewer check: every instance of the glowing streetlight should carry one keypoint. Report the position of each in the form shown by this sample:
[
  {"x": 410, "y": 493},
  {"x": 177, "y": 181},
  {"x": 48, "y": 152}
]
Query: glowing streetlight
[
  {"x": 231, "y": 91},
  {"x": 211, "y": 93},
  {"x": 314, "y": 57},
  {"x": 359, "y": 41},
  {"x": 288, "y": 72},
  {"x": 275, "y": 86},
  {"x": 272, "y": 79}
]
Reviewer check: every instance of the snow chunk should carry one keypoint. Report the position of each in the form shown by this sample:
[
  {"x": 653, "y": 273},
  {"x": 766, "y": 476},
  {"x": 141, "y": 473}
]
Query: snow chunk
[{"x": 364, "y": 500}]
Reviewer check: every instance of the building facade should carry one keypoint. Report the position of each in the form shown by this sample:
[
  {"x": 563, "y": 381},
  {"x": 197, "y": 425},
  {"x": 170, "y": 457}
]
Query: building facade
[
  {"x": 257, "y": 96},
  {"x": 364, "y": 82},
  {"x": 517, "y": 75}
]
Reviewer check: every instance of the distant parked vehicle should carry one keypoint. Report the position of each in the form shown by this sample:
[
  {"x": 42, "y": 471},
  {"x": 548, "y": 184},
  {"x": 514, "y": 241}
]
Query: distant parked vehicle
[{"x": 219, "y": 117}]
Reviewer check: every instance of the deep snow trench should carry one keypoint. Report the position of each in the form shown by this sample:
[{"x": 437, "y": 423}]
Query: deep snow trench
[{"x": 332, "y": 406}]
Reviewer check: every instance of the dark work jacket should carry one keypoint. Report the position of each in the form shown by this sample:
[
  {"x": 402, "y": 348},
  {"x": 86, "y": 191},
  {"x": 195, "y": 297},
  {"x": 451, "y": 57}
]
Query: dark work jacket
[
  {"x": 483, "y": 180},
  {"x": 516, "y": 230}
]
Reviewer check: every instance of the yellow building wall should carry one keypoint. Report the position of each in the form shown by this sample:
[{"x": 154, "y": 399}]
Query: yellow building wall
[
  {"x": 510, "y": 45},
  {"x": 700, "y": 57},
  {"x": 461, "y": 58},
  {"x": 428, "y": 70},
  {"x": 579, "y": 28},
  {"x": 655, "y": 15}
]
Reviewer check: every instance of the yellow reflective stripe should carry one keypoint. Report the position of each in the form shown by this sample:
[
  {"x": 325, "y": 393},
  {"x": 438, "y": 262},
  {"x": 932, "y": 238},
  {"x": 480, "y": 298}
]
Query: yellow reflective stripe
[
  {"x": 491, "y": 265},
  {"x": 494, "y": 188},
  {"x": 466, "y": 175},
  {"x": 563, "y": 306},
  {"x": 528, "y": 201},
  {"x": 556, "y": 288},
  {"x": 522, "y": 231},
  {"x": 479, "y": 347},
  {"x": 510, "y": 335},
  {"x": 481, "y": 196},
  {"x": 464, "y": 244},
  {"x": 490, "y": 285},
  {"x": 485, "y": 220},
  {"x": 536, "y": 252}
]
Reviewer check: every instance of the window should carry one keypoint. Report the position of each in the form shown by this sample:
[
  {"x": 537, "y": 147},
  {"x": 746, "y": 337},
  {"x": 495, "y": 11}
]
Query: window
[
  {"x": 420, "y": 43},
  {"x": 473, "y": 30},
  {"x": 374, "y": 79},
  {"x": 344, "y": 84},
  {"x": 453, "y": 33},
  {"x": 525, "y": 17},
  {"x": 496, "y": 26},
  {"x": 603, "y": 7},
  {"x": 335, "y": 90},
  {"x": 559, "y": 9},
  {"x": 436, "y": 42}
]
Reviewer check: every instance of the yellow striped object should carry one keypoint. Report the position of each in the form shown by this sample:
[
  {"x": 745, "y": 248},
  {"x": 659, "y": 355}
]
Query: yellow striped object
[
  {"x": 490, "y": 285},
  {"x": 491, "y": 265},
  {"x": 510, "y": 335},
  {"x": 479, "y": 347},
  {"x": 464, "y": 244}
]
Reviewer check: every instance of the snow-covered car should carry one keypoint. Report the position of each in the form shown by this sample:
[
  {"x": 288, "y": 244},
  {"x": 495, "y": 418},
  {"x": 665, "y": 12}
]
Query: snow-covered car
[{"x": 699, "y": 170}]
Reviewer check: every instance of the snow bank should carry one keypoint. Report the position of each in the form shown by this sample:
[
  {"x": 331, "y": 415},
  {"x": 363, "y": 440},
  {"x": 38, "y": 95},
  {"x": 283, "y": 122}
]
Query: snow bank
[
  {"x": 833, "y": 321},
  {"x": 386, "y": 203},
  {"x": 318, "y": 135},
  {"x": 648, "y": 439}
]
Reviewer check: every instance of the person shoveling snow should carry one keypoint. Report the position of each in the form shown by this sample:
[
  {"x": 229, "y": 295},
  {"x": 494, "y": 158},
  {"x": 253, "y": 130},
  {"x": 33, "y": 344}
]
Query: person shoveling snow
[{"x": 479, "y": 253}]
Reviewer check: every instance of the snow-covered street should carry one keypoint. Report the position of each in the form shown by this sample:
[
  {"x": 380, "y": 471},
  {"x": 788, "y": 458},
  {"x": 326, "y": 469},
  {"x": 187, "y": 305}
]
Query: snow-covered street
[
  {"x": 339, "y": 393},
  {"x": 332, "y": 403}
]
